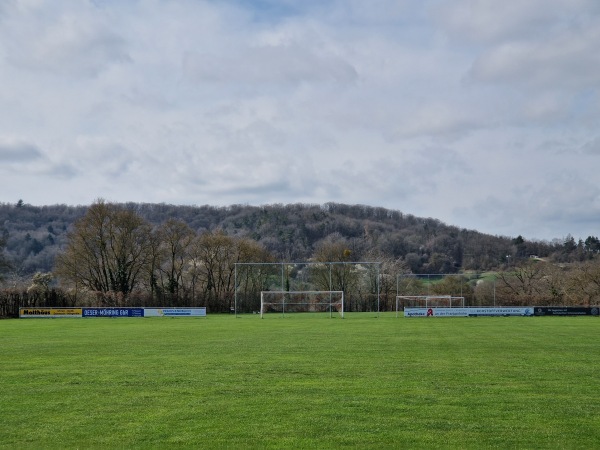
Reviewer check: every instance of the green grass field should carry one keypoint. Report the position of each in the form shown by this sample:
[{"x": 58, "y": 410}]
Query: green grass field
[{"x": 301, "y": 381}]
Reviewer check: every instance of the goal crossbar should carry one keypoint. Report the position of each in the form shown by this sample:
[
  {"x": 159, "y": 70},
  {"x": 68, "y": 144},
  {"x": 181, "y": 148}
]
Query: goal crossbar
[{"x": 285, "y": 300}]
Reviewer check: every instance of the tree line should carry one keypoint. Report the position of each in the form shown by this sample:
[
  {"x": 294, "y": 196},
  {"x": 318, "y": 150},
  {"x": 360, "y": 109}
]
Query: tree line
[
  {"x": 161, "y": 255},
  {"x": 115, "y": 257},
  {"x": 35, "y": 235},
  {"x": 113, "y": 252}
]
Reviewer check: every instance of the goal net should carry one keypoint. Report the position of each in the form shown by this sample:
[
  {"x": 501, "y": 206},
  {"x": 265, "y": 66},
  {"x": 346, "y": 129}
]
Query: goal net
[
  {"x": 428, "y": 301},
  {"x": 302, "y": 301}
]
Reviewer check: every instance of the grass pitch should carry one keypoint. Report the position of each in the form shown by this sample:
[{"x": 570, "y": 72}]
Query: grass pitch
[{"x": 300, "y": 381}]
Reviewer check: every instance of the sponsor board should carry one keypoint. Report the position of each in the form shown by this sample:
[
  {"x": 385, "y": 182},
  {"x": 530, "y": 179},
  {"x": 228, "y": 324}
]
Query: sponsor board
[
  {"x": 435, "y": 312},
  {"x": 49, "y": 312},
  {"x": 175, "y": 312},
  {"x": 567, "y": 311},
  {"x": 113, "y": 312},
  {"x": 466, "y": 312}
]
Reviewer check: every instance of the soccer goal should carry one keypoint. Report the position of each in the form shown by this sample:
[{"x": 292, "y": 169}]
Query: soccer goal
[
  {"x": 428, "y": 301},
  {"x": 302, "y": 301}
]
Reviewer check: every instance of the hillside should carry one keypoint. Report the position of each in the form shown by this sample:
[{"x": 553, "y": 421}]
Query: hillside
[{"x": 33, "y": 235}]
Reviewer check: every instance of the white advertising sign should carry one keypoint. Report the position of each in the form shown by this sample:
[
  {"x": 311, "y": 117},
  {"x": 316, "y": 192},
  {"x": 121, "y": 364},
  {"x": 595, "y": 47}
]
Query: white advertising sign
[
  {"x": 174, "y": 312},
  {"x": 466, "y": 312}
]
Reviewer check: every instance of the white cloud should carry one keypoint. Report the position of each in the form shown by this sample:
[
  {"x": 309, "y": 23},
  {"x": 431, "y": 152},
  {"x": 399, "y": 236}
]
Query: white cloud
[
  {"x": 79, "y": 41},
  {"x": 484, "y": 22},
  {"x": 567, "y": 60},
  {"x": 268, "y": 65}
]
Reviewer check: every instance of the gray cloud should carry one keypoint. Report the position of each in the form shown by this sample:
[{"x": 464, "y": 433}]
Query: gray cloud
[
  {"x": 103, "y": 156},
  {"x": 562, "y": 201},
  {"x": 592, "y": 147},
  {"x": 18, "y": 152},
  {"x": 62, "y": 171}
]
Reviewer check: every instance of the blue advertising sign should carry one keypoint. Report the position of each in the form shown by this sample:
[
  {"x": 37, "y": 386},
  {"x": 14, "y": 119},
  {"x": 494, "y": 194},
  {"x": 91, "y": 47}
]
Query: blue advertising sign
[{"x": 112, "y": 312}]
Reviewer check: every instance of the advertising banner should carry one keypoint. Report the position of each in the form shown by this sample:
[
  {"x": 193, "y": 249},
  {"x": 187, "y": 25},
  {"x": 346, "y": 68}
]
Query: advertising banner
[
  {"x": 50, "y": 313},
  {"x": 435, "y": 312},
  {"x": 466, "y": 312},
  {"x": 175, "y": 312},
  {"x": 113, "y": 312},
  {"x": 567, "y": 311},
  {"x": 110, "y": 312}
]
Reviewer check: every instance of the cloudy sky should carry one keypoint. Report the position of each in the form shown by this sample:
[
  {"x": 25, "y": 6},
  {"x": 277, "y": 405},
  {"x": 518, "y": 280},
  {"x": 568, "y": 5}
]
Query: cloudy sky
[{"x": 480, "y": 113}]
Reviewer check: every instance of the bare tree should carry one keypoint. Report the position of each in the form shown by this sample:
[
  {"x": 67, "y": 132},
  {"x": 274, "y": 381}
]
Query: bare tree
[
  {"x": 520, "y": 286},
  {"x": 383, "y": 276},
  {"x": 539, "y": 283},
  {"x": 215, "y": 255},
  {"x": 335, "y": 274},
  {"x": 556, "y": 286},
  {"x": 336, "y": 277},
  {"x": 175, "y": 239},
  {"x": 107, "y": 250},
  {"x": 4, "y": 264},
  {"x": 586, "y": 283},
  {"x": 456, "y": 286}
]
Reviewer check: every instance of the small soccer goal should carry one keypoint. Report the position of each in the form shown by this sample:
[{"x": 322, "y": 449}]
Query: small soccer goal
[
  {"x": 428, "y": 301},
  {"x": 284, "y": 302}
]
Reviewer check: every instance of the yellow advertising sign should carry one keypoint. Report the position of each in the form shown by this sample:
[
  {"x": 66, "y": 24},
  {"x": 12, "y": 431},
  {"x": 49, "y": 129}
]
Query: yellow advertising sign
[
  {"x": 65, "y": 311},
  {"x": 49, "y": 312}
]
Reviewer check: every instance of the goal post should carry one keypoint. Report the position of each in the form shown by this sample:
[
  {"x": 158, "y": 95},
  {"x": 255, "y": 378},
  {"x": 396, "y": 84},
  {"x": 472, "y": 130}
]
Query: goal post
[
  {"x": 361, "y": 282},
  {"x": 428, "y": 301},
  {"x": 302, "y": 301}
]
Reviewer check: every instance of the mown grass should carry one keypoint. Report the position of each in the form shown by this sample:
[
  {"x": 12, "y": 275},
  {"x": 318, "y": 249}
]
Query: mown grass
[{"x": 301, "y": 381}]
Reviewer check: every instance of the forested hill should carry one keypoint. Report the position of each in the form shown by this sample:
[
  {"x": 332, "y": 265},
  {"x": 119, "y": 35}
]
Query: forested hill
[{"x": 33, "y": 235}]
